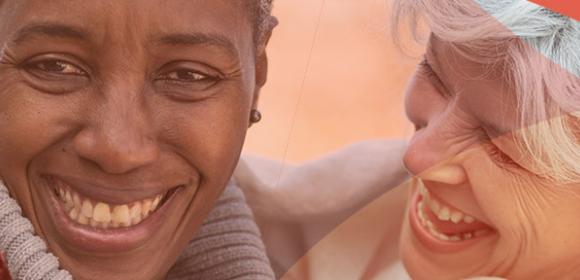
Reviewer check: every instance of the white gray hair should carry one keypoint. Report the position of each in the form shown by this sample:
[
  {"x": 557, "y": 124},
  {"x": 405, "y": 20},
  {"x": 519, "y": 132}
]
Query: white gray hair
[{"x": 548, "y": 96}]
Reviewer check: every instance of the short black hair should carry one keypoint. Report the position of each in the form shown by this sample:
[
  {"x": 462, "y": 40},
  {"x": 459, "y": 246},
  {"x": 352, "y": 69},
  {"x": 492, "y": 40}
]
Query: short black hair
[{"x": 261, "y": 12}]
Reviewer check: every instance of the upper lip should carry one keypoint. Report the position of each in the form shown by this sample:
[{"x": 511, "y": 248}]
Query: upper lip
[
  {"x": 432, "y": 192},
  {"x": 114, "y": 192}
]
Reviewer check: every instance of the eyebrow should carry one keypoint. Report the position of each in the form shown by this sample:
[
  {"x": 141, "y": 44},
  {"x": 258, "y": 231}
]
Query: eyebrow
[
  {"x": 197, "y": 39},
  {"x": 51, "y": 30}
]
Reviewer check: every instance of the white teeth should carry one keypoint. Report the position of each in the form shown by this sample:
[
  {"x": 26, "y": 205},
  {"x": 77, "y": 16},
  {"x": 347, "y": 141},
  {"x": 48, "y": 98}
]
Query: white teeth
[
  {"x": 135, "y": 211},
  {"x": 83, "y": 220},
  {"x": 102, "y": 215},
  {"x": 77, "y": 201},
  {"x": 434, "y": 205},
  {"x": 146, "y": 207},
  {"x": 121, "y": 215},
  {"x": 68, "y": 201},
  {"x": 156, "y": 201},
  {"x": 444, "y": 214},
  {"x": 468, "y": 219},
  {"x": 74, "y": 213},
  {"x": 87, "y": 209},
  {"x": 456, "y": 217}
]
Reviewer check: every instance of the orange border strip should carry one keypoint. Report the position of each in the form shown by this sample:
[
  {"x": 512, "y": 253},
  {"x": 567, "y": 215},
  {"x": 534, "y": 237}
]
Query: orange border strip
[{"x": 570, "y": 8}]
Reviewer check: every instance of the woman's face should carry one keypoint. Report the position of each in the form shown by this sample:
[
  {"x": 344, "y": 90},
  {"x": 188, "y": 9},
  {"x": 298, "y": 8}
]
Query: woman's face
[
  {"x": 476, "y": 207},
  {"x": 121, "y": 122}
]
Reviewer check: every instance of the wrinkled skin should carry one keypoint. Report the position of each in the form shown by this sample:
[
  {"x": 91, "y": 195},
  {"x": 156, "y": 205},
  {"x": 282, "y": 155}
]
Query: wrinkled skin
[
  {"x": 465, "y": 152},
  {"x": 135, "y": 97}
]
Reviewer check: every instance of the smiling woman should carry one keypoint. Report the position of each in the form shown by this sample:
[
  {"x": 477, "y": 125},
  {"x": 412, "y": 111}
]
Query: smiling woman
[
  {"x": 121, "y": 124},
  {"x": 495, "y": 157}
]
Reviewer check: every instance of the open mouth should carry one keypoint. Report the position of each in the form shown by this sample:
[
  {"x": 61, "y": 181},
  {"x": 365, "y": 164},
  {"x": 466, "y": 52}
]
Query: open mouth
[
  {"x": 442, "y": 226},
  {"x": 107, "y": 220},
  {"x": 99, "y": 214}
]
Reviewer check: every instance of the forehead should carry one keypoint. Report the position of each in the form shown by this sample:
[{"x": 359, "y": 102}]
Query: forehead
[{"x": 130, "y": 19}]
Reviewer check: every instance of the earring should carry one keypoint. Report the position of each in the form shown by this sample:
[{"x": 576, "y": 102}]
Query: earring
[{"x": 255, "y": 116}]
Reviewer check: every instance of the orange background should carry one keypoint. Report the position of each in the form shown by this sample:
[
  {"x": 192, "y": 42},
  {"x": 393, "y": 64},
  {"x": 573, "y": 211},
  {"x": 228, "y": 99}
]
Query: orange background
[{"x": 335, "y": 78}]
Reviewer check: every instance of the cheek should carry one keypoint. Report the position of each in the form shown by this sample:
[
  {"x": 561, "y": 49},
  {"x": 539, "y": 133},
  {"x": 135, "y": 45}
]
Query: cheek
[
  {"x": 513, "y": 201},
  {"x": 208, "y": 134},
  {"x": 29, "y": 123}
]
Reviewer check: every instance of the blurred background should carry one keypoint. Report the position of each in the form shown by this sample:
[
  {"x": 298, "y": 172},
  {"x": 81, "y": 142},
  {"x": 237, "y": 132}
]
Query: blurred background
[{"x": 335, "y": 78}]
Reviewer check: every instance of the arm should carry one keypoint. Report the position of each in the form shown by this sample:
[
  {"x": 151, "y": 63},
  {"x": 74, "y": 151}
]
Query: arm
[
  {"x": 340, "y": 182},
  {"x": 297, "y": 205}
]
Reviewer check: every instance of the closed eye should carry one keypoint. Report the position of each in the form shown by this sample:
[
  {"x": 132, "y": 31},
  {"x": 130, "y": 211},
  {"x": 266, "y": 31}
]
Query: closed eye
[
  {"x": 498, "y": 155},
  {"x": 429, "y": 73}
]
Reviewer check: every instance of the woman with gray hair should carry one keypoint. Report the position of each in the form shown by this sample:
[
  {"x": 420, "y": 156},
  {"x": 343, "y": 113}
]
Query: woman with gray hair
[
  {"x": 121, "y": 124},
  {"x": 495, "y": 158}
]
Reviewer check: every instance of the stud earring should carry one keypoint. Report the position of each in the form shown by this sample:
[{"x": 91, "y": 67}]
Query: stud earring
[{"x": 255, "y": 116}]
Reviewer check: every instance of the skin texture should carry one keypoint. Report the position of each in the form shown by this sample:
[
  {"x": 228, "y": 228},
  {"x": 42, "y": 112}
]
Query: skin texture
[
  {"x": 464, "y": 151},
  {"x": 119, "y": 102}
]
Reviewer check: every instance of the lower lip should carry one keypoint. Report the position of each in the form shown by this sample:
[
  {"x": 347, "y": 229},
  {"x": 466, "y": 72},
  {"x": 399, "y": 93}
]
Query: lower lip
[
  {"x": 106, "y": 240},
  {"x": 431, "y": 242}
]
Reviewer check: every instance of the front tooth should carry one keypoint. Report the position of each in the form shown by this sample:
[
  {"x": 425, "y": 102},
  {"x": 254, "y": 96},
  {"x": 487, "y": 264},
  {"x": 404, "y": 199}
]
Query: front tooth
[
  {"x": 444, "y": 214},
  {"x": 456, "y": 217},
  {"x": 468, "y": 219},
  {"x": 468, "y": 235},
  {"x": 121, "y": 215},
  {"x": 102, "y": 213},
  {"x": 87, "y": 209},
  {"x": 93, "y": 223}
]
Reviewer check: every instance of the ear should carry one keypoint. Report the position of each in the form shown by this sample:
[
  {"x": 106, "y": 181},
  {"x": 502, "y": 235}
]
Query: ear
[{"x": 261, "y": 68}]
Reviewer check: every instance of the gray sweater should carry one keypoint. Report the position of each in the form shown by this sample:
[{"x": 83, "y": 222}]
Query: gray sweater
[{"x": 227, "y": 246}]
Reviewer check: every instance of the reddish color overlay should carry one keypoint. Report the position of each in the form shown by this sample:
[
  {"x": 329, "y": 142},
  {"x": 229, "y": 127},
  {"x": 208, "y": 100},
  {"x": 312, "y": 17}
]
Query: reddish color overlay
[
  {"x": 569, "y": 8},
  {"x": 4, "y": 273}
]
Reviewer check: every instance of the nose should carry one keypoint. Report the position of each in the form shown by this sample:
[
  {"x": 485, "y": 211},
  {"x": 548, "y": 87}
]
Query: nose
[
  {"x": 119, "y": 137},
  {"x": 430, "y": 156}
]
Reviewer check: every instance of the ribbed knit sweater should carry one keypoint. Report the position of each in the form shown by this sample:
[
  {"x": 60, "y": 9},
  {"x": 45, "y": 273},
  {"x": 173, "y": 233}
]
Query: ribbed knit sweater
[{"x": 227, "y": 246}]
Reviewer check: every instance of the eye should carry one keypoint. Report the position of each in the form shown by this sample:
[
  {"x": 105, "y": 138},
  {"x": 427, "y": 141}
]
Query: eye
[
  {"x": 55, "y": 73},
  {"x": 186, "y": 75},
  {"x": 498, "y": 155},
  {"x": 56, "y": 67},
  {"x": 431, "y": 75},
  {"x": 188, "y": 80}
]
